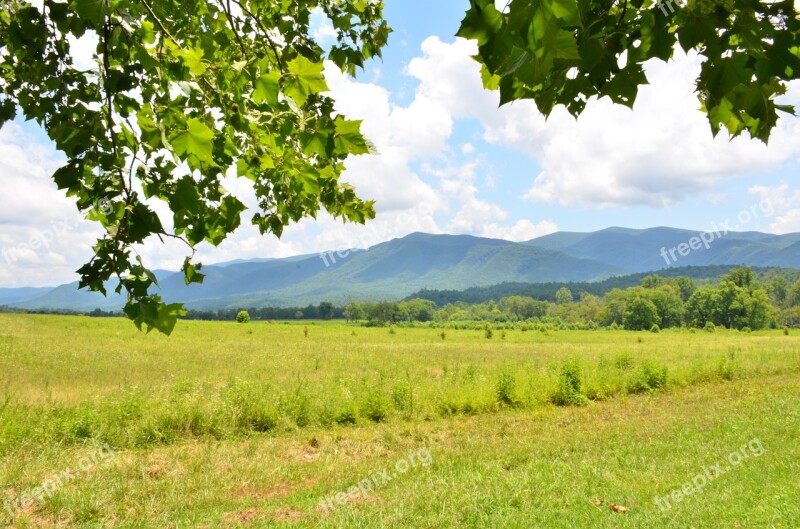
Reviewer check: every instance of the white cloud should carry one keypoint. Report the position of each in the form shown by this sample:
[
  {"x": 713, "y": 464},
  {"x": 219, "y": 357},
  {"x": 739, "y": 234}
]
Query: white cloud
[
  {"x": 658, "y": 154},
  {"x": 523, "y": 230},
  {"x": 781, "y": 204},
  {"x": 43, "y": 236}
]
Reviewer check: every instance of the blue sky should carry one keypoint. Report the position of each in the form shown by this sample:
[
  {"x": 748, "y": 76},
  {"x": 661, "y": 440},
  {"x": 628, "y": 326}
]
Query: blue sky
[{"x": 450, "y": 161}]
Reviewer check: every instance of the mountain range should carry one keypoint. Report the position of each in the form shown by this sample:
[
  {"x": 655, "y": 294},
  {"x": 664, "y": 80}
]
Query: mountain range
[{"x": 397, "y": 268}]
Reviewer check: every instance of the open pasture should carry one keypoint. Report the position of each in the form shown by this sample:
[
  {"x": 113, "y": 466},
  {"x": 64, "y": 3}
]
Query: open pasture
[{"x": 253, "y": 425}]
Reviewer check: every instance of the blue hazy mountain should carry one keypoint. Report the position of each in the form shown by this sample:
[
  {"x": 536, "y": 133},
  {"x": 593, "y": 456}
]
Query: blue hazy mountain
[
  {"x": 645, "y": 250},
  {"x": 397, "y": 268}
]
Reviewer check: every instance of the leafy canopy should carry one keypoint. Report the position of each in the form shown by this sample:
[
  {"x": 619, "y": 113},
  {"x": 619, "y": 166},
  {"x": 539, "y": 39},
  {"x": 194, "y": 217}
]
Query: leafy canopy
[
  {"x": 183, "y": 93},
  {"x": 564, "y": 52}
]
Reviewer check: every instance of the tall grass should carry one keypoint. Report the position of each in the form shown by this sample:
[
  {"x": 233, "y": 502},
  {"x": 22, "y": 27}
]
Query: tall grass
[{"x": 71, "y": 379}]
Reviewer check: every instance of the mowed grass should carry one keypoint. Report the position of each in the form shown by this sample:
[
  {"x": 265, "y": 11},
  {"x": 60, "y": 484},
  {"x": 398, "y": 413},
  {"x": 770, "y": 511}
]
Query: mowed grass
[{"x": 228, "y": 425}]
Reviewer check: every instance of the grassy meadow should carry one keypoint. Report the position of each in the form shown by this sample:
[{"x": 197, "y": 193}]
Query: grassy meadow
[{"x": 254, "y": 425}]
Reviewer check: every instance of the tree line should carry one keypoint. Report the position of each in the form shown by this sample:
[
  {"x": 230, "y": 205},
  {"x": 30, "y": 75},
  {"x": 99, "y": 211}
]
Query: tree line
[{"x": 739, "y": 301}]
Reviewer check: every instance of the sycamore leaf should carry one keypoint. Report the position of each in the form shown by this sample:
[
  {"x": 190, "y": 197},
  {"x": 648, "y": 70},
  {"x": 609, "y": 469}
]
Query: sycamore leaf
[
  {"x": 305, "y": 79},
  {"x": 266, "y": 88},
  {"x": 94, "y": 11},
  {"x": 193, "y": 59},
  {"x": 196, "y": 141},
  {"x": 348, "y": 137}
]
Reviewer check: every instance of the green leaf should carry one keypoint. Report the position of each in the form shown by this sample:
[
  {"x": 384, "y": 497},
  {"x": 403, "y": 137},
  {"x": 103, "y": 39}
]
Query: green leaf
[
  {"x": 266, "y": 88},
  {"x": 191, "y": 273},
  {"x": 196, "y": 141},
  {"x": 193, "y": 59},
  {"x": 8, "y": 110},
  {"x": 481, "y": 22},
  {"x": 348, "y": 137},
  {"x": 93, "y": 11},
  {"x": 566, "y": 11},
  {"x": 305, "y": 80}
]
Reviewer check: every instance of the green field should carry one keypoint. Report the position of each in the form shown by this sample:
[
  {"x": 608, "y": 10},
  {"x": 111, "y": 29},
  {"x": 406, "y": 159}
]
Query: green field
[{"x": 254, "y": 425}]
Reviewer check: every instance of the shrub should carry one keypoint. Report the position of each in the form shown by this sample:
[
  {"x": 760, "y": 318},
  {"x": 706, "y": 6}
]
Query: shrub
[
  {"x": 655, "y": 328},
  {"x": 506, "y": 389},
  {"x": 650, "y": 376},
  {"x": 299, "y": 406},
  {"x": 710, "y": 327},
  {"x": 624, "y": 361},
  {"x": 443, "y": 335},
  {"x": 375, "y": 406},
  {"x": 568, "y": 391},
  {"x": 402, "y": 396},
  {"x": 728, "y": 366},
  {"x": 243, "y": 317},
  {"x": 346, "y": 416},
  {"x": 488, "y": 329},
  {"x": 786, "y": 331}
]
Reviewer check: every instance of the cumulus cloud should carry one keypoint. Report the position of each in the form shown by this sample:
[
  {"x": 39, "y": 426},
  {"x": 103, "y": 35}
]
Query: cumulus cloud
[
  {"x": 657, "y": 154},
  {"x": 783, "y": 204},
  {"x": 420, "y": 131},
  {"x": 43, "y": 236}
]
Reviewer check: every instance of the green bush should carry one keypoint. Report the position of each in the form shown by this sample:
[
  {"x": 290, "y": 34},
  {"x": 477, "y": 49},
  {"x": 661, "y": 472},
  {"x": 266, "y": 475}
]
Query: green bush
[
  {"x": 346, "y": 416},
  {"x": 402, "y": 396},
  {"x": 375, "y": 406},
  {"x": 728, "y": 366},
  {"x": 710, "y": 327},
  {"x": 299, "y": 407},
  {"x": 488, "y": 329},
  {"x": 624, "y": 361},
  {"x": 505, "y": 391},
  {"x": 650, "y": 376},
  {"x": 243, "y": 317},
  {"x": 655, "y": 328},
  {"x": 568, "y": 391}
]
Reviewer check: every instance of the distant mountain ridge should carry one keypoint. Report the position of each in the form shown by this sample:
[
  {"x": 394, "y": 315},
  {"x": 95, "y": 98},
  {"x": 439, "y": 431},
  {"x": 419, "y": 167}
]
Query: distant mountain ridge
[
  {"x": 641, "y": 250},
  {"x": 400, "y": 267}
]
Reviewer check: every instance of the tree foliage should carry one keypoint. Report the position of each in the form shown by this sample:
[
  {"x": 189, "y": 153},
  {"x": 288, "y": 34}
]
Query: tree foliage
[
  {"x": 565, "y": 52},
  {"x": 180, "y": 95}
]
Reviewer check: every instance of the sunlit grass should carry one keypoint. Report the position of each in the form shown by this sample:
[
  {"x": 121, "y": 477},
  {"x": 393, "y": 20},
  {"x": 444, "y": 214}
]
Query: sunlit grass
[{"x": 226, "y": 425}]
